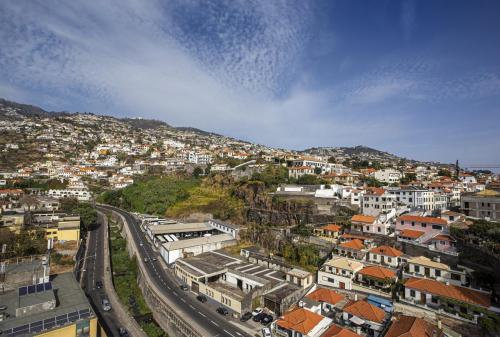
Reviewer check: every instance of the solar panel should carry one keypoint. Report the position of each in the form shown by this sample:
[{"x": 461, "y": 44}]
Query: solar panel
[
  {"x": 37, "y": 323},
  {"x": 48, "y": 286},
  {"x": 40, "y": 288},
  {"x": 31, "y": 289},
  {"x": 22, "y": 328},
  {"x": 85, "y": 315}
]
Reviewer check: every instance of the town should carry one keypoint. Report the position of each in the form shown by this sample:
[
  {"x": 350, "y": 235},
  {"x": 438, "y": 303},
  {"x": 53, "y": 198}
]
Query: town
[{"x": 132, "y": 227}]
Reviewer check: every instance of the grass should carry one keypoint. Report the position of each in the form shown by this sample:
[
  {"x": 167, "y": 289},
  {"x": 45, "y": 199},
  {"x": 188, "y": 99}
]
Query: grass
[{"x": 125, "y": 281}]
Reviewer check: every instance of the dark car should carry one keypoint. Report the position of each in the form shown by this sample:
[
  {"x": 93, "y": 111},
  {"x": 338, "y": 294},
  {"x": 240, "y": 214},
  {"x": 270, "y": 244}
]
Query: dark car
[
  {"x": 266, "y": 319},
  {"x": 201, "y": 298},
  {"x": 246, "y": 316},
  {"x": 259, "y": 316},
  {"x": 123, "y": 332},
  {"x": 98, "y": 284},
  {"x": 222, "y": 311},
  {"x": 184, "y": 287}
]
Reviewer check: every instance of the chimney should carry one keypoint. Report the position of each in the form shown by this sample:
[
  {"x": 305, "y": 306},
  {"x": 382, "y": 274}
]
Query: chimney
[
  {"x": 437, "y": 259},
  {"x": 440, "y": 325},
  {"x": 358, "y": 330},
  {"x": 355, "y": 297}
]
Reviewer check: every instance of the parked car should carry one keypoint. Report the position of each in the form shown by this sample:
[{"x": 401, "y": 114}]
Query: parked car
[
  {"x": 266, "y": 319},
  {"x": 201, "y": 298},
  {"x": 98, "y": 284},
  {"x": 123, "y": 332},
  {"x": 266, "y": 332},
  {"x": 222, "y": 311},
  {"x": 106, "y": 306},
  {"x": 184, "y": 287},
  {"x": 246, "y": 316},
  {"x": 257, "y": 311},
  {"x": 258, "y": 317},
  {"x": 154, "y": 259},
  {"x": 146, "y": 260}
]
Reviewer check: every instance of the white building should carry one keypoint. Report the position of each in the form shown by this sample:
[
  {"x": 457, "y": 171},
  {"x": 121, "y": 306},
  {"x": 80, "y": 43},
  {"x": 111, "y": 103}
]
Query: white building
[
  {"x": 419, "y": 198},
  {"x": 377, "y": 201},
  {"x": 339, "y": 272},
  {"x": 200, "y": 158},
  {"x": 78, "y": 193},
  {"x": 389, "y": 176}
]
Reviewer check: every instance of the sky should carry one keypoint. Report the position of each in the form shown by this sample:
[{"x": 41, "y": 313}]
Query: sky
[{"x": 420, "y": 79}]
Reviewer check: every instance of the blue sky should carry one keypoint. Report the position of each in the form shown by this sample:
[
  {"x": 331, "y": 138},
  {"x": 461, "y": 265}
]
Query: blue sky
[{"x": 419, "y": 79}]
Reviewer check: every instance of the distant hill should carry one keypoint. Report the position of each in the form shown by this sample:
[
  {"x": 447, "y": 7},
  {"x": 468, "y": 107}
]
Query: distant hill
[
  {"x": 26, "y": 110},
  {"x": 142, "y": 123},
  {"x": 358, "y": 152}
]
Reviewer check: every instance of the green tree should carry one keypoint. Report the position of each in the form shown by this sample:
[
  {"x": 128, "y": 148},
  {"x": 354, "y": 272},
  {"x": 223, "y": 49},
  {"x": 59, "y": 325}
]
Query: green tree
[{"x": 198, "y": 171}]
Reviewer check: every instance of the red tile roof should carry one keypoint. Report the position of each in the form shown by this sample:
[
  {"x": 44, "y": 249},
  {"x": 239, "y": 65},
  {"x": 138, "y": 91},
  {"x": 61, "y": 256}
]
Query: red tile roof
[
  {"x": 331, "y": 227},
  {"x": 300, "y": 320},
  {"x": 461, "y": 294},
  {"x": 378, "y": 272},
  {"x": 325, "y": 295},
  {"x": 409, "y": 326},
  {"x": 425, "y": 219},
  {"x": 365, "y": 310},
  {"x": 353, "y": 244},
  {"x": 363, "y": 218},
  {"x": 337, "y": 331},
  {"x": 410, "y": 233},
  {"x": 387, "y": 251}
]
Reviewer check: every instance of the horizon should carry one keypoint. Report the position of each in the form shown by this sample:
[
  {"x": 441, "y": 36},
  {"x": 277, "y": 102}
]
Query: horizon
[{"x": 418, "y": 80}]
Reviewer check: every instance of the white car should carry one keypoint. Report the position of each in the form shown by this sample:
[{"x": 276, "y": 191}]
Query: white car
[
  {"x": 257, "y": 311},
  {"x": 266, "y": 332}
]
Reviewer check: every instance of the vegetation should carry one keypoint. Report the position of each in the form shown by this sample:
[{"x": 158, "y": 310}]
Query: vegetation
[
  {"x": 272, "y": 176},
  {"x": 88, "y": 215},
  {"x": 27, "y": 242},
  {"x": 408, "y": 178},
  {"x": 309, "y": 179},
  {"x": 306, "y": 256},
  {"x": 43, "y": 184},
  {"x": 372, "y": 182},
  {"x": 125, "y": 281},
  {"x": 152, "y": 195}
]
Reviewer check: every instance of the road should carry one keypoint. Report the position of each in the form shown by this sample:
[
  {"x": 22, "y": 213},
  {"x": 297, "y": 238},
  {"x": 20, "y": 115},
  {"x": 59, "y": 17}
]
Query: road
[
  {"x": 93, "y": 272},
  {"x": 191, "y": 308}
]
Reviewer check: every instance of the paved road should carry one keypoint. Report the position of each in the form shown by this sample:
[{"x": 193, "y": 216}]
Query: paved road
[
  {"x": 214, "y": 323},
  {"x": 94, "y": 271}
]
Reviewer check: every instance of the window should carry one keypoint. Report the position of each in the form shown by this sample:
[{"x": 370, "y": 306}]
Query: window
[
  {"x": 412, "y": 293},
  {"x": 438, "y": 227},
  {"x": 389, "y": 260},
  {"x": 417, "y": 269},
  {"x": 438, "y": 273},
  {"x": 424, "y": 224},
  {"x": 413, "y": 224}
]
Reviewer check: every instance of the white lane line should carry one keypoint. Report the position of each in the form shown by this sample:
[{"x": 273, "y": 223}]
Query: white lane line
[
  {"x": 202, "y": 314},
  {"x": 214, "y": 323},
  {"x": 175, "y": 294},
  {"x": 230, "y": 334},
  {"x": 238, "y": 333},
  {"x": 192, "y": 307},
  {"x": 183, "y": 300}
]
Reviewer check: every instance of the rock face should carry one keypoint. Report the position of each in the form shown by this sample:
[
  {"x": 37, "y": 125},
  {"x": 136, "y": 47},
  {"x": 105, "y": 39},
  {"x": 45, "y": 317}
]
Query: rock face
[{"x": 262, "y": 208}]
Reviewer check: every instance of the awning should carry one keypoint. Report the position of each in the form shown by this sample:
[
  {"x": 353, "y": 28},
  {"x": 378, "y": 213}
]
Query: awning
[{"x": 356, "y": 320}]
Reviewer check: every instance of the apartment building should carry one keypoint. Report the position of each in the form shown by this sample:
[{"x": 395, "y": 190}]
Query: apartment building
[
  {"x": 423, "y": 267},
  {"x": 339, "y": 272},
  {"x": 389, "y": 176},
  {"x": 482, "y": 205},
  {"x": 377, "y": 201}
]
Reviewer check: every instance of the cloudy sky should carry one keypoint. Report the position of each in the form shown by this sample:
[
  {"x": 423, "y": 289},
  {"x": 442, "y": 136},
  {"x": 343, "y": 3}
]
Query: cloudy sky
[{"x": 417, "y": 78}]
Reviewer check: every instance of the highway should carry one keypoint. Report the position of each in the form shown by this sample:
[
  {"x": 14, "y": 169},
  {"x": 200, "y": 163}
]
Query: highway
[
  {"x": 191, "y": 308},
  {"x": 93, "y": 272}
]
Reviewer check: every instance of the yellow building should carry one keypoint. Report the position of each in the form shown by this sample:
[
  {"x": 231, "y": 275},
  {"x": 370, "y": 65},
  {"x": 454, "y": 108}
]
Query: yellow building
[
  {"x": 34, "y": 310},
  {"x": 67, "y": 229}
]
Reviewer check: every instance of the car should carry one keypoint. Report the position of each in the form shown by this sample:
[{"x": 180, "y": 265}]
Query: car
[
  {"x": 106, "y": 306},
  {"x": 201, "y": 298},
  {"x": 222, "y": 311},
  {"x": 146, "y": 260},
  {"x": 123, "y": 332},
  {"x": 266, "y": 319},
  {"x": 154, "y": 259},
  {"x": 246, "y": 316},
  {"x": 266, "y": 332},
  {"x": 3, "y": 307},
  {"x": 184, "y": 287},
  {"x": 258, "y": 317},
  {"x": 257, "y": 311},
  {"x": 141, "y": 244},
  {"x": 98, "y": 284}
]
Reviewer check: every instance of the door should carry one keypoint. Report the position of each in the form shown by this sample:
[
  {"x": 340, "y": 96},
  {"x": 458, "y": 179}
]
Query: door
[
  {"x": 341, "y": 285},
  {"x": 195, "y": 287}
]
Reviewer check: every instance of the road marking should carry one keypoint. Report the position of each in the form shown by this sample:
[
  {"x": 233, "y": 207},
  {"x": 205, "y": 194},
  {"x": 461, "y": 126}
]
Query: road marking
[
  {"x": 192, "y": 307},
  {"x": 175, "y": 293},
  {"x": 202, "y": 314},
  {"x": 183, "y": 300},
  {"x": 238, "y": 333},
  {"x": 214, "y": 323},
  {"x": 230, "y": 334}
]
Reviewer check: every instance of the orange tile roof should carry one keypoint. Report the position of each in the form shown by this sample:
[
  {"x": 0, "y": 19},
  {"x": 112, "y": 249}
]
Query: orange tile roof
[
  {"x": 337, "y": 331},
  {"x": 365, "y": 310},
  {"x": 378, "y": 272},
  {"x": 425, "y": 219},
  {"x": 375, "y": 191},
  {"x": 332, "y": 227},
  {"x": 363, "y": 218},
  {"x": 353, "y": 244},
  {"x": 352, "y": 236},
  {"x": 387, "y": 251},
  {"x": 325, "y": 295},
  {"x": 409, "y": 326},
  {"x": 410, "y": 233},
  {"x": 300, "y": 320},
  {"x": 450, "y": 291},
  {"x": 443, "y": 237}
]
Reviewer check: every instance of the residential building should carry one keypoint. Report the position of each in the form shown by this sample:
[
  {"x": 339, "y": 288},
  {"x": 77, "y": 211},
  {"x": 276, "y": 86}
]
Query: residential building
[
  {"x": 419, "y": 198},
  {"x": 364, "y": 316},
  {"x": 299, "y": 171},
  {"x": 370, "y": 224},
  {"x": 78, "y": 193},
  {"x": 385, "y": 255},
  {"x": 301, "y": 323},
  {"x": 423, "y": 267},
  {"x": 482, "y": 205},
  {"x": 328, "y": 231},
  {"x": 389, "y": 176},
  {"x": 376, "y": 277},
  {"x": 351, "y": 249},
  {"x": 337, "y": 331},
  {"x": 323, "y": 301},
  {"x": 410, "y": 326},
  {"x": 377, "y": 201},
  {"x": 339, "y": 272},
  {"x": 449, "y": 299}
]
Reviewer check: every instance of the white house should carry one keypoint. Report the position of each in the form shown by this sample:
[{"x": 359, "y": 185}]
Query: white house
[
  {"x": 339, "y": 272},
  {"x": 389, "y": 176}
]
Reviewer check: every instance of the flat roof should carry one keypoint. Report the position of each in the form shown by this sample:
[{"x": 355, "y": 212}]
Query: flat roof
[
  {"x": 197, "y": 241},
  {"x": 178, "y": 228},
  {"x": 67, "y": 292},
  {"x": 206, "y": 263}
]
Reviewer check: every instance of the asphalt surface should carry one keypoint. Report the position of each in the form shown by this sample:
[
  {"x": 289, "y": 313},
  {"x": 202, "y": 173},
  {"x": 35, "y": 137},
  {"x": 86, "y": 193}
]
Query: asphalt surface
[
  {"x": 93, "y": 272},
  {"x": 192, "y": 309}
]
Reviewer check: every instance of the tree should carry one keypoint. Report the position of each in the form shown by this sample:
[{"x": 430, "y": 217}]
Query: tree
[
  {"x": 444, "y": 173},
  {"x": 197, "y": 171}
]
